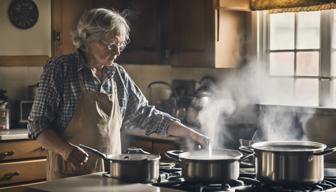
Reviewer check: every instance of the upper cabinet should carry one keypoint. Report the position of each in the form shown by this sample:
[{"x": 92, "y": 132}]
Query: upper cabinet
[
  {"x": 64, "y": 17},
  {"x": 183, "y": 33},
  {"x": 201, "y": 33},
  {"x": 144, "y": 18}
]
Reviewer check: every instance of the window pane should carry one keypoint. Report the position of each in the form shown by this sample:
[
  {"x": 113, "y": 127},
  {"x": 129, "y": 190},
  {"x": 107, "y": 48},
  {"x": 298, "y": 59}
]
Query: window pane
[
  {"x": 307, "y": 63},
  {"x": 278, "y": 91},
  {"x": 306, "y": 91},
  {"x": 282, "y": 31},
  {"x": 282, "y": 63},
  {"x": 308, "y": 30},
  {"x": 334, "y": 31},
  {"x": 333, "y": 63}
]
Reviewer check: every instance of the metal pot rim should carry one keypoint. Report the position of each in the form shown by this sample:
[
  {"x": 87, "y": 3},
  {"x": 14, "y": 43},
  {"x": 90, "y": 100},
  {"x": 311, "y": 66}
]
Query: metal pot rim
[
  {"x": 218, "y": 155},
  {"x": 289, "y": 146},
  {"x": 133, "y": 157}
]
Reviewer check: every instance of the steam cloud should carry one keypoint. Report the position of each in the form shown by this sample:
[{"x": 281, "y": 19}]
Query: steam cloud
[{"x": 233, "y": 100}]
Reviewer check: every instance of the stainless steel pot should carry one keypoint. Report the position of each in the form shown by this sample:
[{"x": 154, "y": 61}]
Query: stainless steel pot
[
  {"x": 199, "y": 166},
  {"x": 144, "y": 168},
  {"x": 290, "y": 162}
]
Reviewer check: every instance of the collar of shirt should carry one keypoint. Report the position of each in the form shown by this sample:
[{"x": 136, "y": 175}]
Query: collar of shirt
[{"x": 81, "y": 64}]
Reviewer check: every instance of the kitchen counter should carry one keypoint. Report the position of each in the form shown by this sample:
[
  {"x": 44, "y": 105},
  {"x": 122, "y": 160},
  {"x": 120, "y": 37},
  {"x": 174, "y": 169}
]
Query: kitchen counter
[
  {"x": 141, "y": 133},
  {"x": 92, "y": 182},
  {"x": 13, "y": 134}
]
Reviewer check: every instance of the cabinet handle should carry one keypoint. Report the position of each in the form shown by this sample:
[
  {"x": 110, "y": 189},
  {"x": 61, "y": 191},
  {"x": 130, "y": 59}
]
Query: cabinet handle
[
  {"x": 9, "y": 176},
  {"x": 6, "y": 154},
  {"x": 39, "y": 149},
  {"x": 57, "y": 36}
]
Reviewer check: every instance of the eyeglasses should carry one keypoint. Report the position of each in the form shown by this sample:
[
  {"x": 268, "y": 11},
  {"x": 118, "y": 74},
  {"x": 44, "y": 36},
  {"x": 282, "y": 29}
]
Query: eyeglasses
[{"x": 114, "y": 46}]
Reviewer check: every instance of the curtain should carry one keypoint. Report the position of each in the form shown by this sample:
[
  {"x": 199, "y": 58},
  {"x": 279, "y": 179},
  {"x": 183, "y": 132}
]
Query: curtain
[{"x": 292, "y": 5}]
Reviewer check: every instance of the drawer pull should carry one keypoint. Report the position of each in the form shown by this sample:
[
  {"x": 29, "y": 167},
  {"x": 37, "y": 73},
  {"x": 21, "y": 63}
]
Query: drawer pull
[
  {"x": 41, "y": 149},
  {"x": 9, "y": 176},
  {"x": 6, "y": 154}
]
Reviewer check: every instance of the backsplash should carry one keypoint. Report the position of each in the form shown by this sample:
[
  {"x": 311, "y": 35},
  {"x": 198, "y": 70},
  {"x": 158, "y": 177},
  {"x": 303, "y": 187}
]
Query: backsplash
[{"x": 17, "y": 79}]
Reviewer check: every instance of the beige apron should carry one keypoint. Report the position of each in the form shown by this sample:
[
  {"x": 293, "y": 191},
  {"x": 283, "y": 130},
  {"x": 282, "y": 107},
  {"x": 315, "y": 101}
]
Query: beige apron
[{"x": 96, "y": 123}]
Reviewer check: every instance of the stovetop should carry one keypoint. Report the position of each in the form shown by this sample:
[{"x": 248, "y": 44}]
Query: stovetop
[{"x": 247, "y": 182}]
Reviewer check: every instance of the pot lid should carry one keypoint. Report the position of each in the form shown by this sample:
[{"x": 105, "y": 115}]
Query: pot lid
[
  {"x": 289, "y": 146},
  {"x": 133, "y": 157},
  {"x": 219, "y": 154}
]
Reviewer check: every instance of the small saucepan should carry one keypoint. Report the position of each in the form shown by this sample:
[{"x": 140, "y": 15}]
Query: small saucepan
[
  {"x": 143, "y": 168},
  {"x": 217, "y": 167}
]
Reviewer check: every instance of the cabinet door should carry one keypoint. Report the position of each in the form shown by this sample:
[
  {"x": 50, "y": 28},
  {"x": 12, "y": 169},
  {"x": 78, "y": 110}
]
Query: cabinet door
[
  {"x": 189, "y": 36},
  {"x": 201, "y": 34},
  {"x": 65, "y": 15},
  {"x": 144, "y": 18}
]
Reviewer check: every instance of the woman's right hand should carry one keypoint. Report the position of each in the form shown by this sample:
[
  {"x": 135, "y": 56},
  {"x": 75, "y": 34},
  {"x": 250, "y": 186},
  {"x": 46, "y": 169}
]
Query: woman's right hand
[{"x": 76, "y": 155}]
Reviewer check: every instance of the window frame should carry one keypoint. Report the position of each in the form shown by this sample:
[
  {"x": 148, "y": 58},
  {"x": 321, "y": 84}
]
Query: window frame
[{"x": 324, "y": 77}]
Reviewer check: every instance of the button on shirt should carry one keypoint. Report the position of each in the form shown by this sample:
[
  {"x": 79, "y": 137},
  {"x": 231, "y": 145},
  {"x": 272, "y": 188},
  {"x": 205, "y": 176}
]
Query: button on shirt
[{"x": 59, "y": 91}]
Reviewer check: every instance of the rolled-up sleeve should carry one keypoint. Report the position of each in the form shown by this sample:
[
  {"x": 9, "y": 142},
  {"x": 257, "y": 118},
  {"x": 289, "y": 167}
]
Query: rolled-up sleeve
[
  {"x": 139, "y": 114},
  {"x": 46, "y": 101}
]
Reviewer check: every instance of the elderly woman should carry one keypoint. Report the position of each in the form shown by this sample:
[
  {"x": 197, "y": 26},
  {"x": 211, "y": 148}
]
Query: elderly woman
[{"x": 86, "y": 98}]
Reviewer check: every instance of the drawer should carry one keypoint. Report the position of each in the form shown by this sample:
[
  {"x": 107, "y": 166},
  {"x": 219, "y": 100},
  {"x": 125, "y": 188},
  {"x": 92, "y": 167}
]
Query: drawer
[
  {"x": 22, "y": 171},
  {"x": 24, "y": 149}
]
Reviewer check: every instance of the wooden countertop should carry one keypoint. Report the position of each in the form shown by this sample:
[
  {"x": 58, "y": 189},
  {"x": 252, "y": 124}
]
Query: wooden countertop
[
  {"x": 94, "y": 182},
  {"x": 141, "y": 133}
]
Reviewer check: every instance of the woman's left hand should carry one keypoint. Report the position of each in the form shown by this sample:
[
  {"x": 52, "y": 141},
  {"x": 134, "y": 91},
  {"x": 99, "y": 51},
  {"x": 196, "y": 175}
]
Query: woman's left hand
[{"x": 180, "y": 130}]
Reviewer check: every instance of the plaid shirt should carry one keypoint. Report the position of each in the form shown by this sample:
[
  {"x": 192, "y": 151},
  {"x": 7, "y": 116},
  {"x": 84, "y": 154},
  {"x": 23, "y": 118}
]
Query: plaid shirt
[{"x": 59, "y": 91}]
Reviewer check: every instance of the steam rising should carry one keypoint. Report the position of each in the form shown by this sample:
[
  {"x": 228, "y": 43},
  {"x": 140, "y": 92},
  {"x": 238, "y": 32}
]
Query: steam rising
[{"x": 233, "y": 101}]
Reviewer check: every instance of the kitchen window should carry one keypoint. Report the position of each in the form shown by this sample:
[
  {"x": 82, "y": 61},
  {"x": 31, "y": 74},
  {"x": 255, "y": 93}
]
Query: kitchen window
[{"x": 299, "y": 54}]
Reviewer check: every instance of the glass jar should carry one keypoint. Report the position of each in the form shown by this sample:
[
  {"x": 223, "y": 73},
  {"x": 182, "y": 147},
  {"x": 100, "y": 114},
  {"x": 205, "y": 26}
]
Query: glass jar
[{"x": 4, "y": 115}]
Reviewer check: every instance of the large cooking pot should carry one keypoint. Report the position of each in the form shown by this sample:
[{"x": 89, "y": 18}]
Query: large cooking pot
[
  {"x": 143, "y": 168},
  {"x": 198, "y": 166},
  {"x": 290, "y": 162}
]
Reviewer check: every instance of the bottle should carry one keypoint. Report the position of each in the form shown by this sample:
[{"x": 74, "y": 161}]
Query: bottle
[{"x": 4, "y": 115}]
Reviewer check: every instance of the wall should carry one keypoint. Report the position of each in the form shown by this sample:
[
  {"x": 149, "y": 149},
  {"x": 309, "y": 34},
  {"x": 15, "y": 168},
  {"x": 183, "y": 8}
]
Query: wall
[
  {"x": 14, "y": 41},
  {"x": 33, "y": 41}
]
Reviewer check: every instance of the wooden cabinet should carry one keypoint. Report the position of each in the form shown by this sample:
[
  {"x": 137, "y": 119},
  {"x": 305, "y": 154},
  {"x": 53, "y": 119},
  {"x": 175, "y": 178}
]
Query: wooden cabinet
[
  {"x": 144, "y": 19},
  {"x": 182, "y": 33},
  {"x": 21, "y": 162},
  {"x": 64, "y": 17},
  {"x": 201, "y": 33}
]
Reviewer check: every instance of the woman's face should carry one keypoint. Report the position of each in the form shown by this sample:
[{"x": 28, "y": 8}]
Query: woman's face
[{"x": 103, "y": 52}]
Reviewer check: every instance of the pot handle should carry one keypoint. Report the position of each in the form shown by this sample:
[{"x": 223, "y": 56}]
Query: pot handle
[
  {"x": 174, "y": 155},
  {"x": 249, "y": 153},
  {"x": 137, "y": 150},
  {"x": 326, "y": 151},
  {"x": 95, "y": 151},
  {"x": 246, "y": 149}
]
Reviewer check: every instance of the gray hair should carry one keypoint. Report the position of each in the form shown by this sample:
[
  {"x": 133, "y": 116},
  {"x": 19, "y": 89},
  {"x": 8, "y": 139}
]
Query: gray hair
[{"x": 97, "y": 23}]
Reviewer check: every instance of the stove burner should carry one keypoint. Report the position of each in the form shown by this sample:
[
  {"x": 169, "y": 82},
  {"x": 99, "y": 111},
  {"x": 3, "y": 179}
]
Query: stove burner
[{"x": 172, "y": 178}]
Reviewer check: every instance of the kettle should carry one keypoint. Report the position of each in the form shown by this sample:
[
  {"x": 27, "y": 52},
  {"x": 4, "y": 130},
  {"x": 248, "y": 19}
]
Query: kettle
[{"x": 163, "y": 96}]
